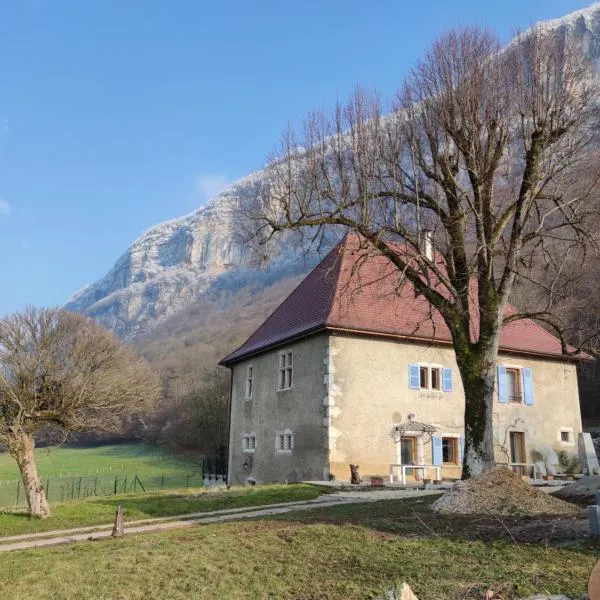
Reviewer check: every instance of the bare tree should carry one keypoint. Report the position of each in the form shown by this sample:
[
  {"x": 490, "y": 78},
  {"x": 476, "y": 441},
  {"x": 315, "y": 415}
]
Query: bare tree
[
  {"x": 60, "y": 368},
  {"x": 196, "y": 418},
  {"x": 484, "y": 151}
]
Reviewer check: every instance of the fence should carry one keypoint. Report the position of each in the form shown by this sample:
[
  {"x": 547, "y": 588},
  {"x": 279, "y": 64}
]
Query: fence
[{"x": 211, "y": 471}]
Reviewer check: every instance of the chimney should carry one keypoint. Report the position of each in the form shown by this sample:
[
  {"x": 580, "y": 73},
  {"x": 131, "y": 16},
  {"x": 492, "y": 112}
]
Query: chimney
[{"x": 428, "y": 244}]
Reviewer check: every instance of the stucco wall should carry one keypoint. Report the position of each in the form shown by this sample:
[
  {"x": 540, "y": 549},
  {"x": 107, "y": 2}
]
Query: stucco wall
[
  {"x": 369, "y": 393},
  {"x": 299, "y": 409}
]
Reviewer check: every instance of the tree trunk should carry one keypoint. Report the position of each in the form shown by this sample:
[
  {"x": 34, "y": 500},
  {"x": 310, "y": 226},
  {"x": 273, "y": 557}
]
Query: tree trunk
[
  {"x": 478, "y": 377},
  {"x": 21, "y": 448}
]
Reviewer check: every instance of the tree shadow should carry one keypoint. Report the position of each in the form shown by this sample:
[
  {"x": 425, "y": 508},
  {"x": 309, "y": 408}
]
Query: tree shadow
[
  {"x": 18, "y": 513},
  {"x": 413, "y": 518}
]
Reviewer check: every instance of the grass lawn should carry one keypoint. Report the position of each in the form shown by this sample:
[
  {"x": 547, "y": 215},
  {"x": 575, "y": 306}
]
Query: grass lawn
[
  {"x": 69, "y": 473},
  {"x": 142, "y": 459},
  {"x": 342, "y": 552},
  {"x": 95, "y": 511}
]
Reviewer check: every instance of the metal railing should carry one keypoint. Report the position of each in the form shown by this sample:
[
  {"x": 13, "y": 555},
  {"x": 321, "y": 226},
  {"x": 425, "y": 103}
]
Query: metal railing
[{"x": 423, "y": 468}]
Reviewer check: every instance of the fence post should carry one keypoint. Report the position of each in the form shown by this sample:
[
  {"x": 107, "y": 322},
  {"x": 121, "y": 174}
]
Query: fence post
[
  {"x": 48, "y": 489},
  {"x": 73, "y": 488},
  {"x": 125, "y": 485},
  {"x": 162, "y": 482},
  {"x": 137, "y": 479},
  {"x": 79, "y": 489},
  {"x": 135, "y": 484},
  {"x": 116, "y": 485},
  {"x": 96, "y": 486},
  {"x": 18, "y": 489}
]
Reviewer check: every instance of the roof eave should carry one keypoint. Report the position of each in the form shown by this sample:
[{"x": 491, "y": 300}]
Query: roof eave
[
  {"x": 428, "y": 340},
  {"x": 227, "y": 361}
]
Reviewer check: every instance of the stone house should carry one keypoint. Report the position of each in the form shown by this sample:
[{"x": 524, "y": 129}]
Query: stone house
[{"x": 354, "y": 368}]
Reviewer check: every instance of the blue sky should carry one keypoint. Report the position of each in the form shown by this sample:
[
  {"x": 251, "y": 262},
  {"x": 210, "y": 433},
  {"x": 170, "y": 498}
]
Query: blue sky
[{"x": 117, "y": 115}]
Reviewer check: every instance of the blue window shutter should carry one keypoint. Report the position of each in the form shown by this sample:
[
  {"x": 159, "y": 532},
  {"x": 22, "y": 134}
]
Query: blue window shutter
[
  {"x": 461, "y": 449},
  {"x": 528, "y": 387},
  {"x": 436, "y": 441},
  {"x": 414, "y": 377},
  {"x": 447, "y": 380},
  {"x": 502, "y": 385}
]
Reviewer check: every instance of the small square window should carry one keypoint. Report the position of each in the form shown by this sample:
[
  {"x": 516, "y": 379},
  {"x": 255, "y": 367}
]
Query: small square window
[
  {"x": 284, "y": 441},
  {"x": 565, "y": 436},
  {"x": 249, "y": 442}
]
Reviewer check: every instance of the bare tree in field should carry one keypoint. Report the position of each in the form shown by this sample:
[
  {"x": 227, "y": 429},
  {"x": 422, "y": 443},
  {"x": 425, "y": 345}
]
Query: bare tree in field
[
  {"x": 60, "y": 368},
  {"x": 492, "y": 153}
]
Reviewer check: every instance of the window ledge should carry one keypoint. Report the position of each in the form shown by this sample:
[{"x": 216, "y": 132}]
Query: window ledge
[
  {"x": 429, "y": 394},
  {"x": 283, "y": 452},
  {"x": 249, "y": 450},
  {"x": 284, "y": 389}
]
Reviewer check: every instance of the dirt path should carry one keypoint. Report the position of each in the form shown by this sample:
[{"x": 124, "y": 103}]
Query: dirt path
[{"x": 96, "y": 532}]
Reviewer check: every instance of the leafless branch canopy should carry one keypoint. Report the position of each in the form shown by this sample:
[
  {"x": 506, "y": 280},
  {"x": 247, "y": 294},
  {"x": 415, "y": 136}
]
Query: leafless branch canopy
[
  {"x": 61, "y": 368},
  {"x": 494, "y": 151}
]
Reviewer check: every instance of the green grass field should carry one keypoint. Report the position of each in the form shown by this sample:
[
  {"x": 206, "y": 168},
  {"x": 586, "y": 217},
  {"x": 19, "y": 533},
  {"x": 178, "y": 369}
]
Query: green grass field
[
  {"x": 349, "y": 552},
  {"x": 102, "y": 460}
]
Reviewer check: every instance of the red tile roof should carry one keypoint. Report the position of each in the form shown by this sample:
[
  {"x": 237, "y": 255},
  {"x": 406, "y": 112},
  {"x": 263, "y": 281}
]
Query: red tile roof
[{"x": 352, "y": 290}]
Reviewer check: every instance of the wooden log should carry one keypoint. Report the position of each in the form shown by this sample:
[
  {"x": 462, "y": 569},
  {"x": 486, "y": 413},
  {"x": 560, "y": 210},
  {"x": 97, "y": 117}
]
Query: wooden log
[{"x": 118, "y": 530}]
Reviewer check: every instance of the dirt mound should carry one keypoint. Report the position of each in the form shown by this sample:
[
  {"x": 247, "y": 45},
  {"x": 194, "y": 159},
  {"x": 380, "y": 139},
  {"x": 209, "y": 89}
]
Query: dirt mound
[
  {"x": 500, "y": 492},
  {"x": 582, "y": 492}
]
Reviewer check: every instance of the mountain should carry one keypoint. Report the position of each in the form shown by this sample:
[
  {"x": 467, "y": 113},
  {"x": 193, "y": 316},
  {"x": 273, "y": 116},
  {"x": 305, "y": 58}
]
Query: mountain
[
  {"x": 198, "y": 260},
  {"x": 176, "y": 263},
  {"x": 584, "y": 24}
]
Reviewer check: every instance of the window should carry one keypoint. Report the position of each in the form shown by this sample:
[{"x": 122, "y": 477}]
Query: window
[
  {"x": 518, "y": 456},
  {"x": 249, "y": 382},
  {"x": 285, "y": 370},
  {"x": 424, "y": 373},
  {"x": 426, "y": 377},
  {"x": 436, "y": 379},
  {"x": 284, "y": 441},
  {"x": 447, "y": 449},
  {"x": 249, "y": 442},
  {"x": 566, "y": 436},
  {"x": 450, "y": 450},
  {"x": 513, "y": 385}
]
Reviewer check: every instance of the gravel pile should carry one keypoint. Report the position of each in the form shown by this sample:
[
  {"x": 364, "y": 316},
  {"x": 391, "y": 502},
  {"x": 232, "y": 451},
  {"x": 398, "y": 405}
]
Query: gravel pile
[{"x": 500, "y": 492}]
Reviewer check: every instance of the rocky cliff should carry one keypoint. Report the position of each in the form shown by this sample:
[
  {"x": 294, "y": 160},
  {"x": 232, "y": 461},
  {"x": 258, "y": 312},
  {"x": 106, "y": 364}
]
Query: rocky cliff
[{"x": 175, "y": 263}]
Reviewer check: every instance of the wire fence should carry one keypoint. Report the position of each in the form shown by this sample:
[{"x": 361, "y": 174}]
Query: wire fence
[{"x": 211, "y": 471}]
